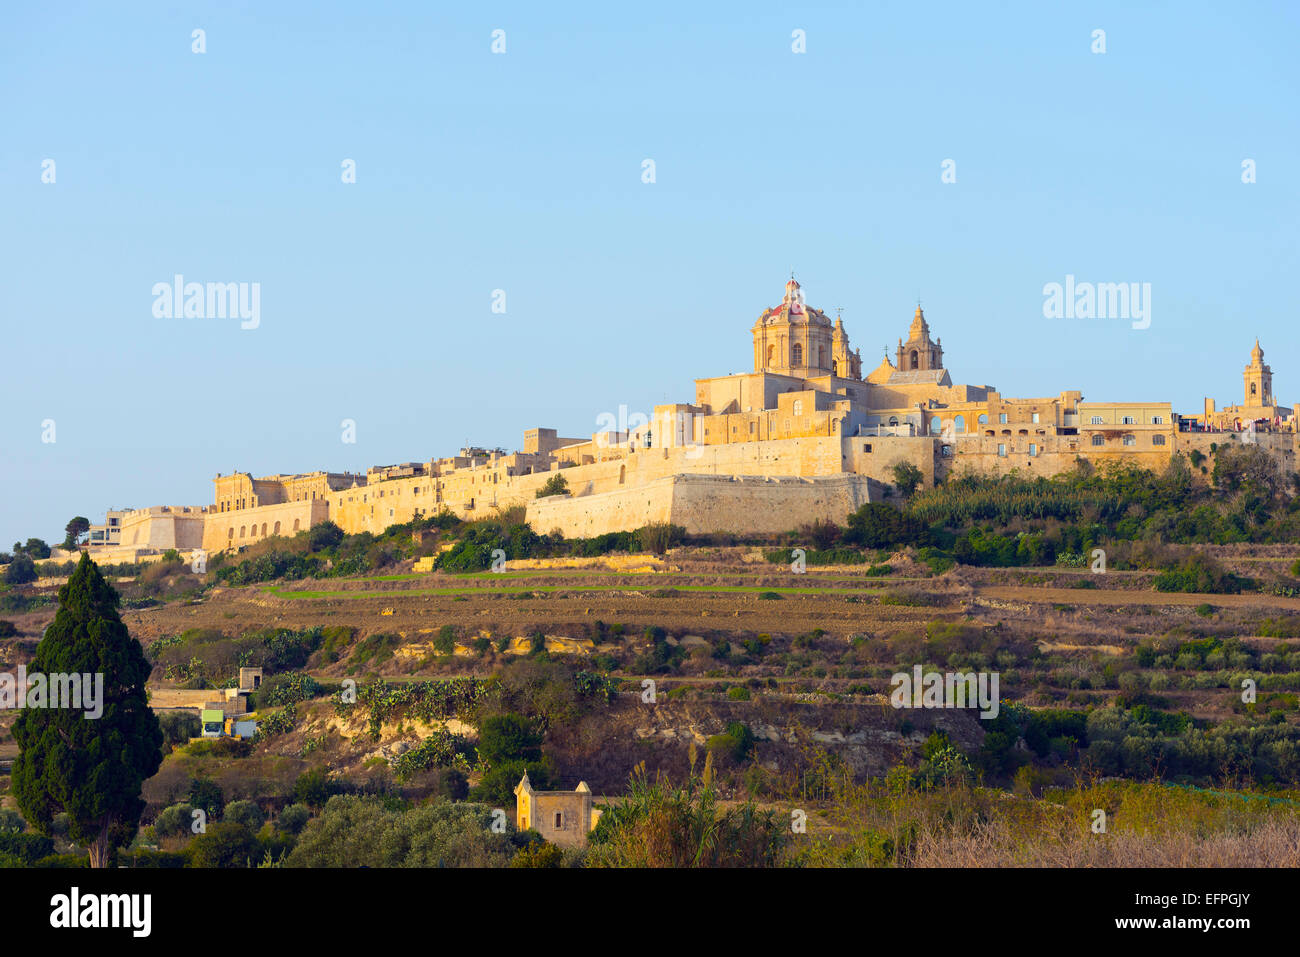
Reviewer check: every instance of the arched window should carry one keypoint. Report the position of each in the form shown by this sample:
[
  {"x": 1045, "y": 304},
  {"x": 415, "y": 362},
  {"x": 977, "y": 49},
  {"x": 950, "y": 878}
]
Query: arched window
[
  {"x": 295, "y": 524},
  {"x": 835, "y": 367},
  {"x": 1252, "y": 388},
  {"x": 1157, "y": 440},
  {"x": 771, "y": 356},
  {"x": 983, "y": 419},
  {"x": 947, "y": 450},
  {"x": 276, "y": 530},
  {"x": 959, "y": 424},
  {"x": 796, "y": 354},
  {"x": 1130, "y": 440},
  {"x": 1098, "y": 440},
  {"x": 230, "y": 532},
  {"x": 242, "y": 529},
  {"x": 935, "y": 426},
  {"x": 821, "y": 357},
  {"x": 916, "y": 360},
  {"x": 264, "y": 528},
  {"x": 893, "y": 420}
]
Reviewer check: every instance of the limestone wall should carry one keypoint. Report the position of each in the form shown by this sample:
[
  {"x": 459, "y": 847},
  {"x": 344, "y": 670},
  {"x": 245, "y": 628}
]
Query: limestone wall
[
  {"x": 227, "y": 699},
  {"x": 705, "y": 503},
  {"x": 749, "y": 504},
  {"x": 245, "y": 526},
  {"x": 163, "y": 527},
  {"x": 1281, "y": 444}
]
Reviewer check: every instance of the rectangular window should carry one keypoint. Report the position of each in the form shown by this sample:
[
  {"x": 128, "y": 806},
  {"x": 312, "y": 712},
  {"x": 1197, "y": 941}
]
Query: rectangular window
[
  {"x": 1097, "y": 420},
  {"x": 559, "y": 819},
  {"x": 1002, "y": 419},
  {"x": 1033, "y": 449},
  {"x": 1035, "y": 418},
  {"x": 866, "y": 446},
  {"x": 1002, "y": 449},
  {"x": 1130, "y": 440},
  {"x": 1157, "y": 420},
  {"x": 1130, "y": 420}
]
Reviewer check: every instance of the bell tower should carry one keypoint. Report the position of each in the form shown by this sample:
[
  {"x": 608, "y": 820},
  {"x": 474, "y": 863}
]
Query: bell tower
[
  {"x": 1258, "y": 380},
  {"x": 919, "y": 352}
]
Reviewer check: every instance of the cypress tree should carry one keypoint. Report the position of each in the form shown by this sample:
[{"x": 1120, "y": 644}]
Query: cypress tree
[{"x": 92, "y": 769}]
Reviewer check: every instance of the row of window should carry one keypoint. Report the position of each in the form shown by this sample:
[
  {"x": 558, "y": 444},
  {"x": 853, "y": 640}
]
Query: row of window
[
  {"x": 1097, "y": 440},
  {"x": 796, "y": 355},
  {"x": 1002, "y": 449},
  {"x": 1126, "y": 420},
  {"x": 1156, "y": 439},
  {"x": 246, "y": 532},
  {"x": 959, "y": 422}
]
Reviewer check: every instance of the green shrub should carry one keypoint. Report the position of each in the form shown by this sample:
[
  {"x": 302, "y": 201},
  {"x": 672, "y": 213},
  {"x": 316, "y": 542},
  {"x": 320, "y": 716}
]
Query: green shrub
[
  {"x": 293, "y": 818},
  {"x": 363, "y": 832},
  {"x": 246, "y": 813},
  {"x": 315, "y": 787},
  {"x": 206, "y": 794},
  {"x": 179, "y": 726},
  {"x": 225, "y": 844},
  {"x": 445, "y": 643},
  {"x": 174, "y": 821},
  {"x": 442, "y": 749},
  {"x": 736, "y": 742},
  {"x": 658, "y": 537},
  {"x": 288, "y": 687},
  {"x": 555, "y": 485},
  {"x": 28, "y": 848},
  {"x": 20, "y": 571},
  {"x": 1200, "y": 573}
]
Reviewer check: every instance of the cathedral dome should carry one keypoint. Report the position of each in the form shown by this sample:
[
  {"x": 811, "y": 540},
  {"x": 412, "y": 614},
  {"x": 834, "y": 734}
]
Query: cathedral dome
[{"x": 794, "y": 309}]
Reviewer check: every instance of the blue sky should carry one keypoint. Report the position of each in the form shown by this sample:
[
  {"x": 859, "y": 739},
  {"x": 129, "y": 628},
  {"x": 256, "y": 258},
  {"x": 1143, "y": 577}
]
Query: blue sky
[{"x": 522, "y": 171}]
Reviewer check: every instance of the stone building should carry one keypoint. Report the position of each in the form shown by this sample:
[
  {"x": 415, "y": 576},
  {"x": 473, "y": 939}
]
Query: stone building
[
  {"x": 562, "y": 817},
  {"x": 1258, "y": 411},
  {"x": 804, "y": 435}
]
